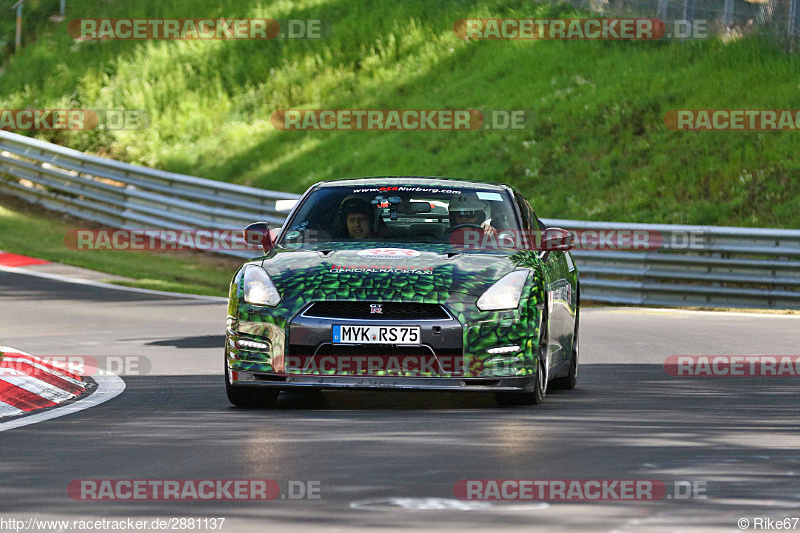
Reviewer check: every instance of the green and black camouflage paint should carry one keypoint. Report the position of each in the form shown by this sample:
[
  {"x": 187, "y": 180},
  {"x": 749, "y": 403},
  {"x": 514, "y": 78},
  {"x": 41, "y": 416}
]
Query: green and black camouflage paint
[{"x": 435, "y": 276}]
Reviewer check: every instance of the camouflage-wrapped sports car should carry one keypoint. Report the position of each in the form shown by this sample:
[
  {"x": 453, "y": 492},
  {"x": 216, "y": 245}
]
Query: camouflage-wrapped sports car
[{"x": 405, "y": 283}]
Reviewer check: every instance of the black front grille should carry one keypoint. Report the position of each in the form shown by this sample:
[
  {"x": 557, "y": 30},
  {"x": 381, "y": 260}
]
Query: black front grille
[{"x": 388, "y": 310}]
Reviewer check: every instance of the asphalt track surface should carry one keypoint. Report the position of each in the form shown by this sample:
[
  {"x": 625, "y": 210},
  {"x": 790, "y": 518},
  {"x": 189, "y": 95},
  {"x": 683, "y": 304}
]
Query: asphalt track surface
[{"x": 389, "y": 460}]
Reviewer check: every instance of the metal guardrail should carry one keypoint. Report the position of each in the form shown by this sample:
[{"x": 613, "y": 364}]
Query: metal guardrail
[
  {"x": 126, "y": 196},
  {"x": 693, "y": 266},
  {"x": 723, "y": 266}
]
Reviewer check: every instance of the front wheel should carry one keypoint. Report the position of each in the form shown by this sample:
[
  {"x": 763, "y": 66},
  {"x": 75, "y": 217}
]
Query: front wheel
[{"x": 249, "y": 396}]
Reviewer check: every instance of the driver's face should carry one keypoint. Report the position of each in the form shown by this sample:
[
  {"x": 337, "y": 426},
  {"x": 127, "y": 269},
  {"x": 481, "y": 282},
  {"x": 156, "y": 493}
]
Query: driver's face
[
  {"x": 466, "y": 219},
  {"x": 358, "y": 225}
]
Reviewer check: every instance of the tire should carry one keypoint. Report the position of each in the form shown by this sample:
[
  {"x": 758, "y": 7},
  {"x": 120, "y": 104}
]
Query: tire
[
  {"x": 540, "y": 388},
  {"x": 249, "y": 396},
  {"x": 570, "y": 381}
]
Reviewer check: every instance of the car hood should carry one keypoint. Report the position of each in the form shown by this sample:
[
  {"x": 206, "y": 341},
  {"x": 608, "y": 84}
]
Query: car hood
[{"x": 346, "y": 271}]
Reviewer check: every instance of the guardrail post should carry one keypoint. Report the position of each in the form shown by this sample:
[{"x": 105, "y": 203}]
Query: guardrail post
[
  {"x": 661, "y": 12},
  {"x": 18, "y": 39},
  {"x": 688, "y": 10},
  {"x": 794, "y": 22},
  {"x": 727, "y": 16}
]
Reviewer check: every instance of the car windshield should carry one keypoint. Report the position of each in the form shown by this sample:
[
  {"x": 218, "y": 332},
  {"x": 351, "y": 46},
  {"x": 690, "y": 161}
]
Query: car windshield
[{"x": 412, "y": 213}]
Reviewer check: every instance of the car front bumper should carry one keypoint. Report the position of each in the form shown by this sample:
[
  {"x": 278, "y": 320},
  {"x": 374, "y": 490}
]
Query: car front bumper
[{"x": 308, "y": 381}]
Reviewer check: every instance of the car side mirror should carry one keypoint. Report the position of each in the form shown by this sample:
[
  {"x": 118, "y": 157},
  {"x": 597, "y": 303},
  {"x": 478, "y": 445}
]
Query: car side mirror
[
  {"x": 258, "y": 233},
  {"x": 557, "y": 240}
]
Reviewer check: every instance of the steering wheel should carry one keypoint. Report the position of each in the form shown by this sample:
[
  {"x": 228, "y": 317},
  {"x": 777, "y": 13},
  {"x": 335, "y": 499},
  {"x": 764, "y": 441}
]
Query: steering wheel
[{"x": 459, "y": 226}]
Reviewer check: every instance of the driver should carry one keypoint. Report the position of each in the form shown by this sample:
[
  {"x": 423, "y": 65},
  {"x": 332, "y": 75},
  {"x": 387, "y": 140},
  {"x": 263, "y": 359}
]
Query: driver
[
  {"x": 470, "y": 211},
  {"x": 359, "y": 218}
]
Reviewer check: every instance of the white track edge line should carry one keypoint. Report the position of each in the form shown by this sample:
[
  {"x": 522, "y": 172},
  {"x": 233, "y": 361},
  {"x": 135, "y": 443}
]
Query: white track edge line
[{"x": 67, "y": 279}]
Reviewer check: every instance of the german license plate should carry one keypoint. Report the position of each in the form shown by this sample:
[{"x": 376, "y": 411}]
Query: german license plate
[{"x": 407, "y": 335}]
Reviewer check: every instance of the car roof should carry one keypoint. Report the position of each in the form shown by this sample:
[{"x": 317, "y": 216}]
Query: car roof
[{"x": 410, "y": 180}]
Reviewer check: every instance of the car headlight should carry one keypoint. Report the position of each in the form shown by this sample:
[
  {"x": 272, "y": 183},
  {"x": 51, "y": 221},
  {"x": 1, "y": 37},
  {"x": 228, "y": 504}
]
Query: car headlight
[
  {"x": 258, "y": 288},
  {"x": 504, "y": 294}
]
